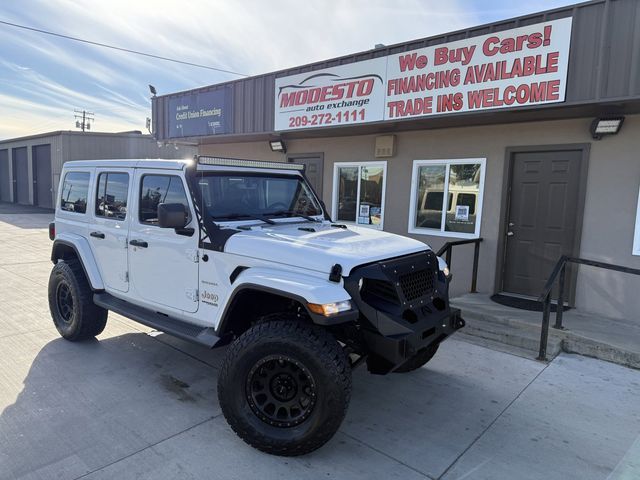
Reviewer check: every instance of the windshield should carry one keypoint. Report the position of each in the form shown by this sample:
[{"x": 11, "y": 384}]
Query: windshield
[{"x": 233, "y": 196}]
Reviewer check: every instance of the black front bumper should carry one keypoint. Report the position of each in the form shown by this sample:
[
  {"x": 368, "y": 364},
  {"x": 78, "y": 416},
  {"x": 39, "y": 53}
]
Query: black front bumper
[
  {"x": 390, "y": 352},
  {"x": 404, "y": 308}
]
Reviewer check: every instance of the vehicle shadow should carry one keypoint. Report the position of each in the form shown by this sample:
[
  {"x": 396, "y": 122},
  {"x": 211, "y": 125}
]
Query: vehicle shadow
[{"x": 86, "y": 405}]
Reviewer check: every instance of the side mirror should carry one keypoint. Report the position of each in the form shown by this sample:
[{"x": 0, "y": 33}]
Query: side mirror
[{"x": 172, "y": 215}]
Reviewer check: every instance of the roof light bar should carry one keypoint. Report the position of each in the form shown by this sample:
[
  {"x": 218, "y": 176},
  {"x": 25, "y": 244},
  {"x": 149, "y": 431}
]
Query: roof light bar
[{"x": 237, "y": 162}]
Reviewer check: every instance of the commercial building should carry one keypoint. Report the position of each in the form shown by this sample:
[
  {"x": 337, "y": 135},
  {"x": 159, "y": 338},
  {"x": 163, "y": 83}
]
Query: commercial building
[
  {"x": 524, "y": 132},
  {"x": 30, "y": 166}
]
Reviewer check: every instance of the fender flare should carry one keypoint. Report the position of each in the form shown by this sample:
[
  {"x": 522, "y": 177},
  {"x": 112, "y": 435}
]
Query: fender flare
[
  {"x": 295, "y": 286},
  {"x": 83, "y": 251}
]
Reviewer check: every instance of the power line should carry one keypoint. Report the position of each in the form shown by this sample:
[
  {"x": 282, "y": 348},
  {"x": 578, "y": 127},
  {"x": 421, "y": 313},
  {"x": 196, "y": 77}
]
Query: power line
[{"x": 98, "y": 44}]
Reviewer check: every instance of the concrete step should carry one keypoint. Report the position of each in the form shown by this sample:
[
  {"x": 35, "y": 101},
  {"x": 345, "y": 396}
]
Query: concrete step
[
  {"x": 498, "y": 318},
  {"x": 573, "y": 343},
  {"x": 495, "y": 345},
  {"x": 500, "y": 327},
  {"x": 521, "y": 336}
]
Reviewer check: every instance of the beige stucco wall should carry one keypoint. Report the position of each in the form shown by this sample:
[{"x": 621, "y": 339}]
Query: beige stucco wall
[{"x": 610, "y": 205}]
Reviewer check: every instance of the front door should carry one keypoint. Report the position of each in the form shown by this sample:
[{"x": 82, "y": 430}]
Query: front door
[
  {"x": 314, "y": 164},
  {"x": 542, "y": 217},
  {"x": 110, "y": 228},
  {"x": 164, "y": 271}
]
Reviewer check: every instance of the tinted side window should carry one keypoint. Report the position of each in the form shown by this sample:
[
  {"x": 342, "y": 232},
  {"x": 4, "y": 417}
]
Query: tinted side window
[
  {"x": 157, "y": 189},
  {"x": 75, "y": 191},
  {"x": 111, "y": 198}
]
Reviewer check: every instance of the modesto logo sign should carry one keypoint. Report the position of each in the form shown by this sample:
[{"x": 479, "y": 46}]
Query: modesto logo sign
[{"x": 517, "y": 67}]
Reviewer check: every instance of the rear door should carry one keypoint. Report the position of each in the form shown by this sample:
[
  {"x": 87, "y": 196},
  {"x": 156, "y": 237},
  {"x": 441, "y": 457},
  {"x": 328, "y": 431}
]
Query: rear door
[
  {"x": 164, "y": 270},
  {"x": 111, "y": 218}
]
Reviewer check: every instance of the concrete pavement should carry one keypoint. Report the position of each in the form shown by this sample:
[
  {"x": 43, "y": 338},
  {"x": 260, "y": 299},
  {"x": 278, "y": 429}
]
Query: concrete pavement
[{"x": 138, "y": 404}]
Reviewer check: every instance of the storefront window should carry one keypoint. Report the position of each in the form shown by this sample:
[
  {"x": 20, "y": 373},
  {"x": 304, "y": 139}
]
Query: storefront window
[
  {"x": 461, "y": 182},
  {"x": 359, "y": 193},
  {"x": 347, "y": 193}
]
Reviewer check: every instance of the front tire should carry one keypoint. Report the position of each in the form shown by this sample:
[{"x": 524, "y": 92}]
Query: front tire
[
  {"x": 74, "y": 314},
  {"x": 285, "y": 386}
]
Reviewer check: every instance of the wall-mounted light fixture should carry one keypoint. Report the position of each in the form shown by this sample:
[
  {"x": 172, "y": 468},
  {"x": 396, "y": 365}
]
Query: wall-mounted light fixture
[
  {"x": 605, "y": 126},
  {"x": 278, "y": 146}
]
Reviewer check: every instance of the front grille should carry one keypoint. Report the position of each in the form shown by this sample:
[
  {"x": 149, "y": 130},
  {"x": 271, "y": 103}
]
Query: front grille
[
  {"x": 381, "y": 289},
  {"x": 417, "y": 284}
]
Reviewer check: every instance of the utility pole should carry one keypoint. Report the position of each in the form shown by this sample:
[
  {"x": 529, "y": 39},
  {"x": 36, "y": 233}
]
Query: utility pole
[{"x": 86, "y": 117}]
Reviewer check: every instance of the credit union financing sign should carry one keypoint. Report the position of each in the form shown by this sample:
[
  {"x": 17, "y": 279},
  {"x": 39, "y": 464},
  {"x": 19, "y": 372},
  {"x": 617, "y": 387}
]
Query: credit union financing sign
[
  {"x": 514, "y": 68},
  {"x": 194, "y": 114}
]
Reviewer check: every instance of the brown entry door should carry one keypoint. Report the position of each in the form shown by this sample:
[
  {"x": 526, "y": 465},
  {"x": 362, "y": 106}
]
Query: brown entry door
[
  {"x": 543, "y": 217},
  {"x": 313, "y": 169}
]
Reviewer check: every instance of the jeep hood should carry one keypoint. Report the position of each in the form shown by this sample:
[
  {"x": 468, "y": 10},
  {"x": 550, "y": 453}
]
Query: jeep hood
[{"x": 294, "y": 244}]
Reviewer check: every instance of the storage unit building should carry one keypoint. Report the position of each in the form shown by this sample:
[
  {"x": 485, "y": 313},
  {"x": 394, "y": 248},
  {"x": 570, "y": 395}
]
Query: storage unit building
[{"x": 30, "y": 166}]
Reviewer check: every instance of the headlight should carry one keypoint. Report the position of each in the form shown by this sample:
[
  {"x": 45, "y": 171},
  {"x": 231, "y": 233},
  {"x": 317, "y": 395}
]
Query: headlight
[
  {"x": 443, "y": 267},
  {"x": 328, "y": 309}
]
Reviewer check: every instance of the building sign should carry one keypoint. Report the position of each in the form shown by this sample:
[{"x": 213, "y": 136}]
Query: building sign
[
  {"x": 341, "y": 95},
  {"x": 514, "y": 68},
  {"x": 194, "y": 114}
]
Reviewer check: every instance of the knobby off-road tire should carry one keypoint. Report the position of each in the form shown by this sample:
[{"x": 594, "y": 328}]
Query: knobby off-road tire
[
  {"x": 71, "y": 303},
  {"x": 284, "y": 386},
  {"x": 418, "y": 360}
]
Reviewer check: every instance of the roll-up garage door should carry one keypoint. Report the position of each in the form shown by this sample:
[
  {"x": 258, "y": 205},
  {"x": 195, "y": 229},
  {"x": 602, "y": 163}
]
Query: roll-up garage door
[
  {"x": 42, "y": 191},
  {"x": 21, "y": 175},
  {"x": 5, "y": 179}
]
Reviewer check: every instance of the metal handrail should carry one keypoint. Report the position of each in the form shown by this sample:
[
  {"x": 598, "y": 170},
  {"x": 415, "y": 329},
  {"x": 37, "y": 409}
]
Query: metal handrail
[
  {"x": 559, "y": 272},
  {"x": 447, "y": 249}
]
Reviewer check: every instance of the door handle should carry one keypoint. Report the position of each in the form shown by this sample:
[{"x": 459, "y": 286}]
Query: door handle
[
  {"x": 509, "y": 234},
  {"x": 139, "y": 243},
  {"x": 97, "y": 234}
]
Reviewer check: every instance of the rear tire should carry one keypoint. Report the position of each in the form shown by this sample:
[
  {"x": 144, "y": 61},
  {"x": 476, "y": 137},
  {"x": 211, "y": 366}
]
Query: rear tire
[
  {"x": 285, "y": 386},
  {"x": 71, "y": 303},
  {"x": 418, "y": 360}
]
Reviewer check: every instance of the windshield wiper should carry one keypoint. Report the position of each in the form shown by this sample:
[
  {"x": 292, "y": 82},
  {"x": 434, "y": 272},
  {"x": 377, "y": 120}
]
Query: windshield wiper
[
  {"x": 237, "y": 216},
  {"x": 292, "y": 213}
]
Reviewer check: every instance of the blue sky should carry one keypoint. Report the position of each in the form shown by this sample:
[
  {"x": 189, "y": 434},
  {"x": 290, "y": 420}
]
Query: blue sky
[{"x": 43, "y": 78}]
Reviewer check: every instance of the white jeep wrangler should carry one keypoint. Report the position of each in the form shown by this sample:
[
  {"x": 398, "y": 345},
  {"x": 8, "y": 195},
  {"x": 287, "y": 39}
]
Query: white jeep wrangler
[{"x": 224, "y": 251}]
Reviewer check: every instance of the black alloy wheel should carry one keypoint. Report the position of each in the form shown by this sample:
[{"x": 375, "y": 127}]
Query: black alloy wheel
[
  {"x": 64, "y": 302},
  {"x": 281, "y": 391}
]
